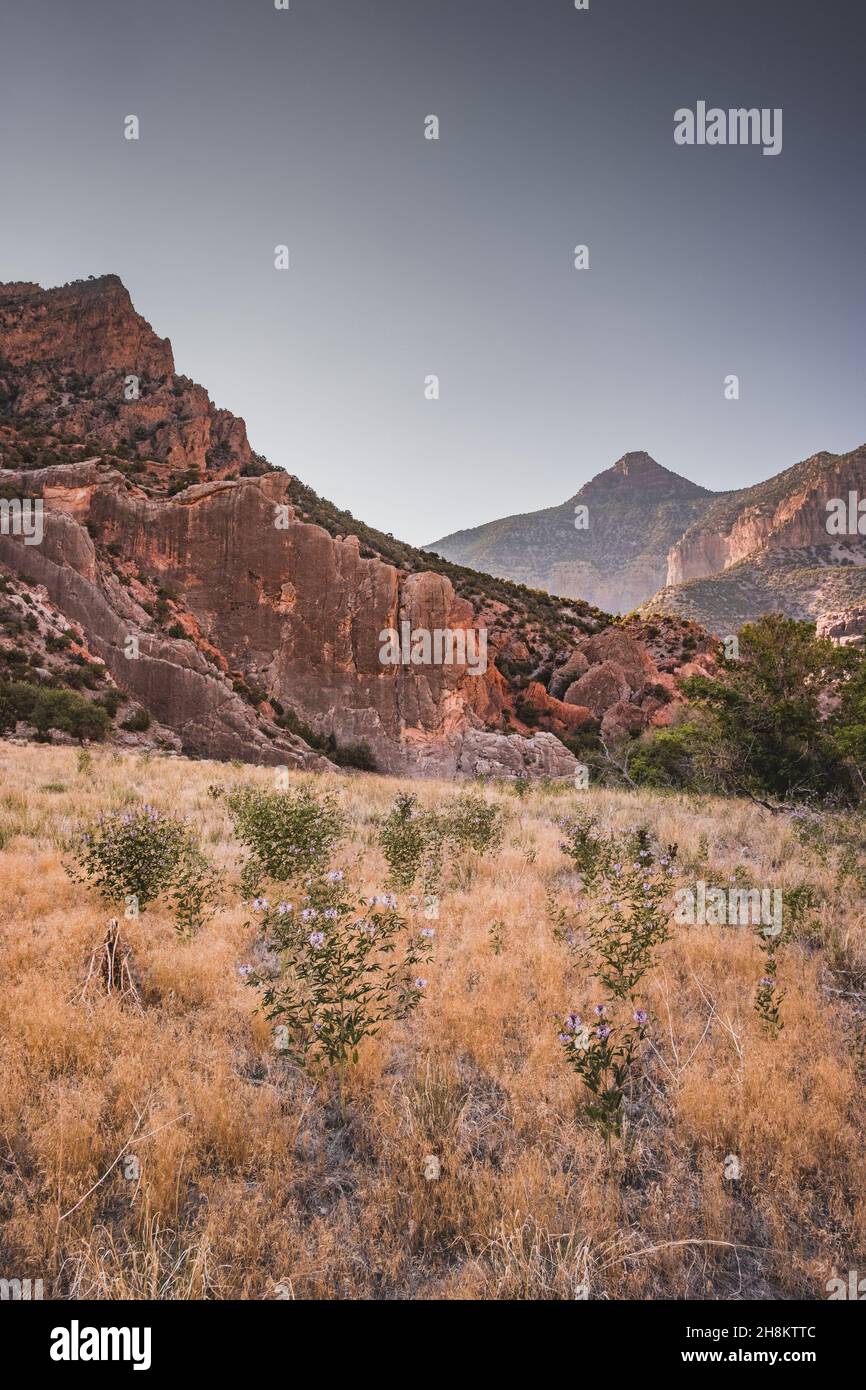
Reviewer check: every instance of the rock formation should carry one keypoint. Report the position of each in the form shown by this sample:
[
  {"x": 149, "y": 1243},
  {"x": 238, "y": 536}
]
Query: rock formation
[
  {"x": 245, "y": 616},
  {"x": 767, "y": 549}
]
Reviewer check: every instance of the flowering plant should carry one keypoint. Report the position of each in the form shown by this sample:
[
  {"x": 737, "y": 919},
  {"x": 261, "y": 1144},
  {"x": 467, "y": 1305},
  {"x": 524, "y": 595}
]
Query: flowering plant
[
  {"x": 626, "y": 880},
  {"x": 342, "y": 971}
]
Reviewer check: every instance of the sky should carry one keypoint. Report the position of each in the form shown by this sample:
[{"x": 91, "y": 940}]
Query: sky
[{"x": 412, "y": 258}]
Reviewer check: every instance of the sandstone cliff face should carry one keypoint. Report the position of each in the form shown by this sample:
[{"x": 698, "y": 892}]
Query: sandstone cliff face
[
  {"x": 286, "y": 608},
  {"x": 788, "y": 513},
  {"x": 89, "y": 328},
  {"x": 767, "y": 549},
  {"x": 238, "y": 609}
]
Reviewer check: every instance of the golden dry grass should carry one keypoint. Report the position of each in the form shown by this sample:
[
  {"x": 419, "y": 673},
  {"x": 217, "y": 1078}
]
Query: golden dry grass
[{"x": 255, "y": 1184}]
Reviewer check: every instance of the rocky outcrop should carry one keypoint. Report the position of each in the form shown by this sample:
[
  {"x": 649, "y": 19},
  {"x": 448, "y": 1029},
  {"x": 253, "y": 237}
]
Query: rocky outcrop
[
  {"x": 566, "y": 674},
  {"x": 273, "y": 602},
  {"x": 848, "y": 629},
  {"x": 79, "y": 362},
  {"x": 787, "y": 513},
  {"x": 541, "y": 756}
]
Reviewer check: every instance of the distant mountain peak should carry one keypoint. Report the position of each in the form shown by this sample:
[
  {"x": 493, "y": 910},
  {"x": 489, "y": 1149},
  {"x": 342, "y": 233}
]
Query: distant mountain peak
[
  {"x": 636, "y": 511},
  {"x": 638, "y": 462},
  {"x": 637, "y": 473}
]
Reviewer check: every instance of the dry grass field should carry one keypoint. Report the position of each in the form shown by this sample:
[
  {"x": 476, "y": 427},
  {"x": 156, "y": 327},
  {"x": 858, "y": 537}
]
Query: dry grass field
[{"x": 252, "y": 1181}]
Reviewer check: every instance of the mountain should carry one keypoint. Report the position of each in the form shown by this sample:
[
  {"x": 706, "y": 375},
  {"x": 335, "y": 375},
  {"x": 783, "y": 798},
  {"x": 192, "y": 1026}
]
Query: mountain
[
  {"x": 767, "y": 548},
  {"x": 636, "y": 510},
  {"x": 184, "y": 594}
]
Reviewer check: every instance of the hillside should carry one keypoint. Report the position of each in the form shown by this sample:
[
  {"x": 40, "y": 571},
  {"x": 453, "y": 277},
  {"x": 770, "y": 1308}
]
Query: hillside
[
  {"x": 636, "y": 511},
  {"x": 766, "y": 548},
  {"x": 256, "y": 608},
  {"x": 802, "y": 583}
]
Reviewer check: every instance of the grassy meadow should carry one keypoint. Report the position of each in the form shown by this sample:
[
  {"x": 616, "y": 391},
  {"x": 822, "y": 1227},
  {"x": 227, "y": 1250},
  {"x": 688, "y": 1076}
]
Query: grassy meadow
[{"x": 455, "y": 1160}]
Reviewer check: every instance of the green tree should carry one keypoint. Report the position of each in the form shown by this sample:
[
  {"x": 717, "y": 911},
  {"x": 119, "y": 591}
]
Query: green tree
[{"x": 771, "y": 730}]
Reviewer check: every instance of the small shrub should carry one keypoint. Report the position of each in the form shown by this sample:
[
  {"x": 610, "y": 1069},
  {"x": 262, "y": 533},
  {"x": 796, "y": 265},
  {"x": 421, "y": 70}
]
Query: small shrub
[
  {"x": 195, "y": 888},
  {"x": 345, "y": 970},
  {"x": 288, "y": 834},
  {"x": 137, "y": 722},
  {"x": 626, "y": 880},
  {"x": 412, "y": 842},
  {"x": 47, "y": 708},
  {"x": 358, "y": 755},
  {"x": 473, "y": 823},
  {"x": 130, "y": 854},
  {"x": 603, "y": 1056}
]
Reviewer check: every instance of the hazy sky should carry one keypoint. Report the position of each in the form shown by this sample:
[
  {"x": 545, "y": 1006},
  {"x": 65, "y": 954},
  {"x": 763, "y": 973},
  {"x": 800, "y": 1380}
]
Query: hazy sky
[{"x": 411, "y": 257}]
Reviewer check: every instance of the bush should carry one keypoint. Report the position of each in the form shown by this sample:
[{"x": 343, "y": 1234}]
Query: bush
[
  {"x": 626, "y": 880},
  {"x": 412, "y": 842},
  {"x": 287, "y": 833},
  {"x": 111, "y": 700},
  {"x": 344, "y": 971},
  {"x": 195, "y": 888},
  {"x": 668, "y": 758},
  {"x": 46, "y": 709},
  {"x": 765, "y": 728},
  {"x": 357, "y": 755},
  {"x": 471, "y": 822},
  {"x": 130, "y": 854},
  {"x": 138, "y": 722}
]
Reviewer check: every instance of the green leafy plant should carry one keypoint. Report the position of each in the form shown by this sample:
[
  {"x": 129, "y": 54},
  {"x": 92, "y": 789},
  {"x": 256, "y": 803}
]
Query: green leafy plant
[
  {"x": 603, "y": 1055},
  {"x": 474, "y": 823},
  {"x": 48, "y": 708},
  {"x": 195, "y": 888},
  {"x": 412, "y": 841},
  {"x": 288, "y": 834},
  {"x": 623, "y": 921},
  {"x": 343, "y": 970},
  {"x": 131, "y": 853}
]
